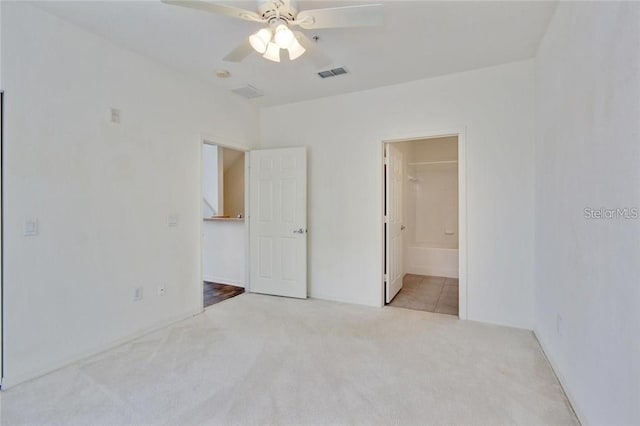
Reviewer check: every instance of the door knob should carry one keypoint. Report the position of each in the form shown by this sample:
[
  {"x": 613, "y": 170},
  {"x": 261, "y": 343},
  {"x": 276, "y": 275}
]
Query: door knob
[
  {"x": 299, "y": 231},
  {"x": 402, "y": 227}
]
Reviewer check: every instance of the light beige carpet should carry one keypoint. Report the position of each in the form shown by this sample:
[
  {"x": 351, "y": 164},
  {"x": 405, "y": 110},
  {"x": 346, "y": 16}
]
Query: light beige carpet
[{"x": 258, "y": 360}]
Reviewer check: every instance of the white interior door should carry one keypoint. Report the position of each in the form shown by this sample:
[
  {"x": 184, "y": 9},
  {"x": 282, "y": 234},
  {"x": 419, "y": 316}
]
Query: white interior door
[
  {"x": 278, "y": 222},
  {"x": 393, "y": 220}
]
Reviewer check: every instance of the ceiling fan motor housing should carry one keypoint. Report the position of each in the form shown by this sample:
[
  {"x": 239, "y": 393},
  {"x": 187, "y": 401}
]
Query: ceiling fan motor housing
[{"x": 271, "y": 10}]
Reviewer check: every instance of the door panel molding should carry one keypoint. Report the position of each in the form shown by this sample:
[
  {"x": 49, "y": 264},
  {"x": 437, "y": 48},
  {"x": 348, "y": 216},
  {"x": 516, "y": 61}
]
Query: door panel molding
[{"x": 278, "y": 214}]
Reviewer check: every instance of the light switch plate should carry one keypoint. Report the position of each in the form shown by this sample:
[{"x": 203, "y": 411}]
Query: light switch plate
[
  {"x": 172, "y": 220},
  {"x": 30, "y": 227}
]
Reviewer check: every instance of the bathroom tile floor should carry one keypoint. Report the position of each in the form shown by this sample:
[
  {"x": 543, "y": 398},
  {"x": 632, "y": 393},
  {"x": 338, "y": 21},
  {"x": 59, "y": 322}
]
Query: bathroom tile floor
[{"x": 427, "y": 293}]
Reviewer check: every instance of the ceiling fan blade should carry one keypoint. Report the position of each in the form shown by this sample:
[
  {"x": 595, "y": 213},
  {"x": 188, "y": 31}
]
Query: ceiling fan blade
[
  {"x": 312, "y": 53},
  {"x": 339, "y": 17},
  {"x": 220, "y": 9},
  {"x": 239, "y": 53}
]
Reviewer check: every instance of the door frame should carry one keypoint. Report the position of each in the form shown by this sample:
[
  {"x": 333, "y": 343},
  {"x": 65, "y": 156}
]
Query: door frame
[
  {"x": 221, "y": 142},
  {"x": 1, "y": 238},
  {"x": 391, "y": 226},
  {"x": 460, "y": 132}
]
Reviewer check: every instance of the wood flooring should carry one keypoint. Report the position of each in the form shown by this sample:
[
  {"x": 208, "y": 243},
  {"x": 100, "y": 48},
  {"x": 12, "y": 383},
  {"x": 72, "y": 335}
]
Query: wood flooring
[{"x": 215, "y": 292}]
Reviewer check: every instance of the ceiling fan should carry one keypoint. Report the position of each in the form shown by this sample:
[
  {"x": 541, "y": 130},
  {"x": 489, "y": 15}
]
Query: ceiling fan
[{"x": 278, "y": 16}]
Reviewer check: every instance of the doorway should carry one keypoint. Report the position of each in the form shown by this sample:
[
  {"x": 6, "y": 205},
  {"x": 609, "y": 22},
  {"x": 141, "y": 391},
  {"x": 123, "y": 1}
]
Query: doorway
[
  {"x": 272, "y": 258},
  {"x": 423, "y": 224},
  {"x": 224, "y": 231}
]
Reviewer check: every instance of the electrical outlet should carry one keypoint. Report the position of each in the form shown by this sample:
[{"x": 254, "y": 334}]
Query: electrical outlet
[
  {"x": 559, "y": 325},
  {"x": 137, "y": 294},
  {"x": 30, "y": 228},
  {"x": 161, "y": 291}
]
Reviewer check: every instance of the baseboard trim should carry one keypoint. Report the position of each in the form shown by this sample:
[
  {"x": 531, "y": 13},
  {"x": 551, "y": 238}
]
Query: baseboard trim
[
  {"x": 579, "y": 413},
  {"x": 434, "y": 271},
  {"x": 340, "y": 300},
  {"x": 226, "y": 281},
  {"x": 14, "y": 381}
]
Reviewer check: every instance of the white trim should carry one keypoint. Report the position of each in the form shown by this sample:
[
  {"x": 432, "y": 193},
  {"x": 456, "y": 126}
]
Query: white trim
[
  {"x": 92, "y": 352},
  {"x": 330, "y": 298},
  {"x": 460, "y": 132},
  {"x": 221, "y": 280},
  {"x": 247, "y": 222},
  {"x": 434, "y": 271},
  {"x": 223, "y": 142},
  {"x": 2, "y": 113},
  {"x": 561, "y": 379},
  {"x": 207, "y": 139},
  {"x": 2, "y": 204},
  {"x": 430, "y": 163}
]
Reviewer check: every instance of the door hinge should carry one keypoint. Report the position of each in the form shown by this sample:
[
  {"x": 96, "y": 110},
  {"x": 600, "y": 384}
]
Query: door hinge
[
  {"x": 386, "y": 278},
  {"x": 386, "y": 160},
  {"x": 386, "y": 219}
]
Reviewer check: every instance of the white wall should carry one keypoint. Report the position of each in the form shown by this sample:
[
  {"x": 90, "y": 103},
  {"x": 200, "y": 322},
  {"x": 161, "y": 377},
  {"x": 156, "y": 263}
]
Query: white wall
[
  {"x": 432, "y": 196},
  {"x": 223, "y": 252},
  {"x": 101, "y": 192},
  {"x": 588, "y": 155},
  {"x": 344, "y": 134},
  {"x": 210, "y": 180}
]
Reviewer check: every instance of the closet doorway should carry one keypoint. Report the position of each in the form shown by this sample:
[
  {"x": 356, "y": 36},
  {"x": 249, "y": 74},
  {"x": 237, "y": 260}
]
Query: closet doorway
[{"x": 422, "y": 230}]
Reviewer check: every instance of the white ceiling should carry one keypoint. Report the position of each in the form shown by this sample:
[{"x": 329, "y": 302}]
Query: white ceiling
[{"x": 419, "y": 39}]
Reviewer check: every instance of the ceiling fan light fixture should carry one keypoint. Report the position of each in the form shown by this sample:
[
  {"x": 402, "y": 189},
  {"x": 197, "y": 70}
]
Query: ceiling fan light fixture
[
  {"x": 284, "y": 36},
  {"x": 295, "y": 49},
  {"x": 278, "y": 15},
  {"x": 272, "y": 53},
  {"x": 260, "y": 40}
]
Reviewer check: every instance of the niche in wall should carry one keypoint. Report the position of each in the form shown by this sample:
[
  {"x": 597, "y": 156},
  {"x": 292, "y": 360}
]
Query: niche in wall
[{"x": 223, "y": 182}]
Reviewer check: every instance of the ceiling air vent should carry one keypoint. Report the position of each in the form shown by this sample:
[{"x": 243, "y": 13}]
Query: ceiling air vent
[
  {"x": 248, "y": 92},
  {"x": 332, "y": 73}
]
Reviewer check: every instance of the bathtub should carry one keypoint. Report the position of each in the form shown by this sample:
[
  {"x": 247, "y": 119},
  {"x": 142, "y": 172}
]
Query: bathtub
[{"x": 439, "y": 262}]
